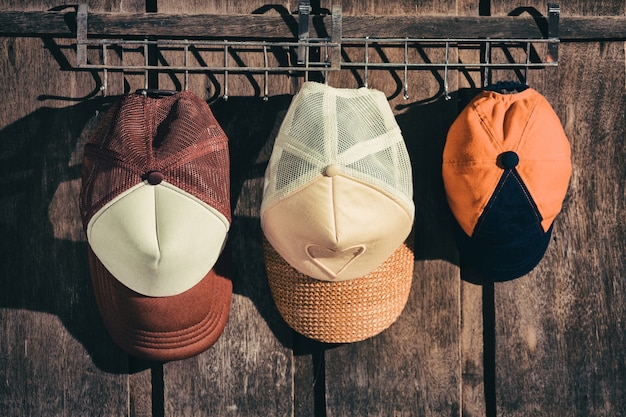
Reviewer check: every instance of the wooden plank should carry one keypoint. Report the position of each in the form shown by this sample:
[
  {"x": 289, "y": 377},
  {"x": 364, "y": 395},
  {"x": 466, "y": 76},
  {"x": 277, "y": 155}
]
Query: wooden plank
[
  {"x": 472, "y": 350},
  {"x": 412, "y": 368},
  {"x": 472, "y": 329},
  {"x": 357, "y": 8},
  {"x": 559, "y": 329},
  {"x": 254, "y": 355},
  {"x": 62, "y": 24},
  {"x": 581, "y": 28},
  {"x": 309, "y": 377},
  {"x": 250, "y": 370},
  {"x": 55, "y": 351}
]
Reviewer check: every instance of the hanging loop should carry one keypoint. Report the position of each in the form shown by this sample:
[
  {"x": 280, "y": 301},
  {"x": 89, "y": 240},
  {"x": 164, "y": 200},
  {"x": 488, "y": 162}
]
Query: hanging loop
[
  {"x": 554, "y": 13},
  {"x": 304, "y": 12}
]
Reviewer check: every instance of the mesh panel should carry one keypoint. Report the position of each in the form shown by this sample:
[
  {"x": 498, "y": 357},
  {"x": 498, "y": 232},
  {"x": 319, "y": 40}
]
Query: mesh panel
[
  {"x": 103, "y": 179},
  {"x": 290, "y": 168},
  {"x": 309, "y": 122},
  {"x": 355, "y": 129},
  {"x": 386, "y": 169},
  {"x": 176, "y": 135},
  {"x": 358, "y": 119}
]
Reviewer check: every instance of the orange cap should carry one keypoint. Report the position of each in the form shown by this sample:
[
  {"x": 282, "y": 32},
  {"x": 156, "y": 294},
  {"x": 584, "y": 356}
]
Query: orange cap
[{"x": 506, "y": 169}]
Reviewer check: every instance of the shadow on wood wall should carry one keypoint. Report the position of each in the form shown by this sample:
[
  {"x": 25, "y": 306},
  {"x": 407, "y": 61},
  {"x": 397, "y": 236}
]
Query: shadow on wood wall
[{"x": 45, "y": 249}]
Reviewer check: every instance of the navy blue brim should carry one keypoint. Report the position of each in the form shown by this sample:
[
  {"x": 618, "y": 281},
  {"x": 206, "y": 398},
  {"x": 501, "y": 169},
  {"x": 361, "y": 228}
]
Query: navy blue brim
[{"x": 496, "y": 261}]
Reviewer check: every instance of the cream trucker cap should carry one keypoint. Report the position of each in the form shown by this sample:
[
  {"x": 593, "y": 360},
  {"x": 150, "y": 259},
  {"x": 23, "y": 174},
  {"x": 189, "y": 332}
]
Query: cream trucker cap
[{"x": 337, "y": 206}]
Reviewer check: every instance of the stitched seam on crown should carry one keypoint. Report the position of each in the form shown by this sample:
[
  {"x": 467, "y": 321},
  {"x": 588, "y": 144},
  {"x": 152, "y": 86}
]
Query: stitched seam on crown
[
  {"x": 156, "y": 225},
  {"x": 191, "y": 153},
  {"x": 487, "y": 126},
  {"x": 95, "y": 151},
  {"x": 150, "y": 133},
  {"x": 333, "y": 189},
  {"x": 527, "y": 195},
  {"x": 495, "y": 194},
  {"x": 521, "y": 139}
]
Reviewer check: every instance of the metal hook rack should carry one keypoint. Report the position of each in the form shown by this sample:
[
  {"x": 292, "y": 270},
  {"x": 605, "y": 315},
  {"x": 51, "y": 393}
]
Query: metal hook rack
[{"x": 311, "y": 54}]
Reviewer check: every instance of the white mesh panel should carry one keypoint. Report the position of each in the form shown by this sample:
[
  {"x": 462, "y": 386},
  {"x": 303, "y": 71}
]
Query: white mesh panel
[
  {"x": 309, "y": 122},
  {"x": 290, "y": 167},
  {"x": 352, "y": 128},
  {"x": 358, "y": 119}
]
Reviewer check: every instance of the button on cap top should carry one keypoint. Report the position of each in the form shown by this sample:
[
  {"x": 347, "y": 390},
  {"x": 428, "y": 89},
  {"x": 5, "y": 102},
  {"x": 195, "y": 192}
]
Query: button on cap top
[
  {"x": 154, "y": 177},
  {"x": 508, "y": 160},
  {"x": 332, "y": 170}
]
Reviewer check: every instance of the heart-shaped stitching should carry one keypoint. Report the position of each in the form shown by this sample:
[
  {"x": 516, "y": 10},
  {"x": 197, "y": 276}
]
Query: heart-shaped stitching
[{"x": 333, "y": 261}]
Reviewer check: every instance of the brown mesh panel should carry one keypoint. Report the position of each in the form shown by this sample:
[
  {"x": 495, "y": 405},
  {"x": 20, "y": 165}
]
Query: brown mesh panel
[{"x": 176, "y": 135}]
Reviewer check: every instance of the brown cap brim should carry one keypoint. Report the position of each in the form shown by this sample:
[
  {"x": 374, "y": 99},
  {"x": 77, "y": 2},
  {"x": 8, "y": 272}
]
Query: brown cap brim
[
  {"x": 345, "y": 311},
  {"x": 164, "y": 328}
]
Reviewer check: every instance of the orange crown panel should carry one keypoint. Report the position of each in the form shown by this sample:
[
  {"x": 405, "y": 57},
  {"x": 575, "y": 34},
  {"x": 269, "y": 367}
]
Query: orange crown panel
[
  {"x": 545, "y": 161},
  {"x": 490, "y": 125},
  {"x": 468, "y": 161}
]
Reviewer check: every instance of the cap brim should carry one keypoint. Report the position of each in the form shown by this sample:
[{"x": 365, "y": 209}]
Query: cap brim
[
  {"x": 345, "y": 311},
  {"x": 164, "y": 328},
  {"x": 503, "y": 262}
]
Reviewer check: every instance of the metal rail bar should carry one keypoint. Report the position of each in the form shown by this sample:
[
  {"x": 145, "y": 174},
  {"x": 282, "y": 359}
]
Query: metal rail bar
[{"x": 310, "y": 54}]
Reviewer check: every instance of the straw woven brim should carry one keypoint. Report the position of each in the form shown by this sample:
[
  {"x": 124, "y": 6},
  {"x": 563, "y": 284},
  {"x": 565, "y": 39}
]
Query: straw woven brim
[{"x": 345, "y": 311}]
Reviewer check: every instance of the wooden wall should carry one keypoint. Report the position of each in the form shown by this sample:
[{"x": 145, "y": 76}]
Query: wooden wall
[{"x": 549, "y": 344}]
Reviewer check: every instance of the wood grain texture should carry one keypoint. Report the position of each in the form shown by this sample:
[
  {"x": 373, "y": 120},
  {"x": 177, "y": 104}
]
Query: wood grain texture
[
  {"x": 548, "y": 344},
  {"x": 55, "y": 351},
  {"x": 472, "y": 318},
  {"x": 250, "y": 370},
  {"x": 284, "y": 26},
  {"x": 560, "y": 337},
  {"x": 57, "y": 357},
  {"x": 559, "y": 332},
  {"x": 472, "y": 357},
  {"x": 599, "y": 8},
  {"x": 412, "y": 368}
]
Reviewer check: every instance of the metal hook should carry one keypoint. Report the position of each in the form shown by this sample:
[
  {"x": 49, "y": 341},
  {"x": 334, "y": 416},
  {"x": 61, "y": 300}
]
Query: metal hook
[
  {"x": 487, "y": 60},
  {"x": 527, "y": 62},
  {"x": 265, "y": 75},
  {"x": 146, "y": 61},
  {"x": 186, "y": 76},
  {"x": 304, "y": 11},
  {"x": 554, "y": 12},
  {"x": 306, "y": 63},
  {"x": 105, "y": 72},
  {"x": 225, "y": 70},
  {"x": 406, "y": 69},
  {"x": 326, "y": 57},
  {"x": 446, "y": 96},
  {"x": 365, "y": 73}
]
